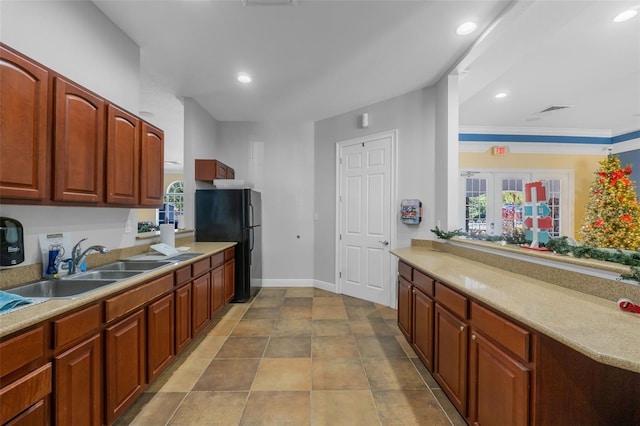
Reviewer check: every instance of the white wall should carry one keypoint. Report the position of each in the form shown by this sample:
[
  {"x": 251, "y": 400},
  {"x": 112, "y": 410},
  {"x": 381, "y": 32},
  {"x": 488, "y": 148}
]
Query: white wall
[
  {"x": 278, "y": 159},
  {"x": 75, "y": 39},
  {"x": 413, "y": 115}
]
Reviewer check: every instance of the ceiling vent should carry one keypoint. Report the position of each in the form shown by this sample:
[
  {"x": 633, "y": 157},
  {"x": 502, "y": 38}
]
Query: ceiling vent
[
  {"x": 554, "y": 108},
  {"x": 269, "y": 2}
]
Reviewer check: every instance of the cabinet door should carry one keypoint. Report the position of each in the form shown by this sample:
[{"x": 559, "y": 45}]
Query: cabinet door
[
  {"x": 37, "y": 414},
  {"x": 160, "y": 337},
  {"x": 79, "y": 144},
  {"x": 498, "y": 385},
  {"x": 123, "y": 157},
  {"x": 404, "y": 307},
  {"x": 151, "y": 166},
  {"x": 229, "y": 280},
  {"x": 23, "y": 129},
  {"x": 183, "y": 317},
  {"x": 423, "y": 327},
  {"x": 78, "y": 384},
  {"x": 450, "y": 359},
  {"x": 200, "y": 303},
  {"x": 217, "y": 289},
  {"x": 125, "y": 364}
]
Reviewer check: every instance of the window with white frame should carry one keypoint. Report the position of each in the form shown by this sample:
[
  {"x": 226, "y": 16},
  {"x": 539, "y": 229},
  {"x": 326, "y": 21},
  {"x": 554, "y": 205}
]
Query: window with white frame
[
  {"x": 173, "y": 206},
  {"x": 493, "y": 200}
]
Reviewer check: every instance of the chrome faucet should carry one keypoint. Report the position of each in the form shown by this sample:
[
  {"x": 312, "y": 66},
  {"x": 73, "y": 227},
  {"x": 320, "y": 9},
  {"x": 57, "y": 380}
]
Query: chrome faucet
[{"x": 78, "y": 256}]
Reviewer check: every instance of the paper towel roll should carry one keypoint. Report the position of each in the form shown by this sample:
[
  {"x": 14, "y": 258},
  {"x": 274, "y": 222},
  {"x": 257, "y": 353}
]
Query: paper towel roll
[{"x": 168, "y": 234}]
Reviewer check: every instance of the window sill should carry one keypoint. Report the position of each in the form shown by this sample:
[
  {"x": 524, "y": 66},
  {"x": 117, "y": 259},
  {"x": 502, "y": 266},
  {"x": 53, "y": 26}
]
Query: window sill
[{"x": 153, "y": 234}]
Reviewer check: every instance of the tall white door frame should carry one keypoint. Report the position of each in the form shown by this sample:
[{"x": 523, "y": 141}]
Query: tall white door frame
[{"x": 393, "y": 225}]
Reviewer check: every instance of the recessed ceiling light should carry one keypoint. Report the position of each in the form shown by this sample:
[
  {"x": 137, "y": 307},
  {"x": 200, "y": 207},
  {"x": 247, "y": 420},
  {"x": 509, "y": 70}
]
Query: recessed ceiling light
[
  {"x": 501, "y": 95},
  {"x": 467, "y": 28},
  {"x": 243, "y": 77},
  {"x": 626, "y": 15}
]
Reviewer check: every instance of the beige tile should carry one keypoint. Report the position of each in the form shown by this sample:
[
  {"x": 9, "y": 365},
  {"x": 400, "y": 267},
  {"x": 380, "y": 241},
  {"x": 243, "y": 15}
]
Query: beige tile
[
  {"x": 300, "y": 292},
  {"x": 267, "y": 302},
  {"x": 334, "y": 347},
  {"x": 158, "y": 410},
  {"x": 354, "y": 301},
  {"x": 329, "y": 327},
  {"x": 409, "y": 407},
  {"x": 387, "y": 312},
  {"x": 286, "y": 408},
  {"x": 338, "y": 374},
  {"x": 210, "y": 408},
  {"x": 261, "y": 313},
  {"x": 257, "y": 327},
  {"x": 228, "y": 375},
  {"x": 243, "y": 347},
  {"x": 393, "y": 325},
  {"x": 424, "y": 373},
  {"x": 292, "y": 327},
  {"x": 298, "y": 302},
  {"x": 328, "y": 312},
  {"x": 237, "y": 311},
  {"x": 186, "y": 376},
  {"x": 406, "y": 346},
  {"x": 295, "y": 312},
  {"x": 317, "y": 292},
  {"x": 283, "y": 374},
  {"x": 353, "y": 408},
  {"x": 392, "y": 374},
  {"x": 272, "y": 292},
  {"x": 370, "y": 327},
  {"x": 224, "y": 327},
  {"x": 289, "y": 347},
  {"x": 383, "y": 347},
  {"x": 328, "y": 301},
  {"x": 451, "y": 412},
  {"x": 208, "y": 347},
  {"x": 362, "y": 312}
]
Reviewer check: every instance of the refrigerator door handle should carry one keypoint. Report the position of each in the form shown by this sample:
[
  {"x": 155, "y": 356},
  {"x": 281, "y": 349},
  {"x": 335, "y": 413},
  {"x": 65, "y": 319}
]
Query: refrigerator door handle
[
  {"x": 253, "y": 238},
  {"x": 252, "y": 223}
]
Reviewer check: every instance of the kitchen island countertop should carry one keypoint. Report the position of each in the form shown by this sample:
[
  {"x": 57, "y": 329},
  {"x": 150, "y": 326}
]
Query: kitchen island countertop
[
  {"x": 593, "y": 326},
  {"x": 22, "y": 318}
]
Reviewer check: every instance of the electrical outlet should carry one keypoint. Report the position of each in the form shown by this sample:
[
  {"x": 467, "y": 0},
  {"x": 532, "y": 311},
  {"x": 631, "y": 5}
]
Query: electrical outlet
[{"x": 127, "y": 227}]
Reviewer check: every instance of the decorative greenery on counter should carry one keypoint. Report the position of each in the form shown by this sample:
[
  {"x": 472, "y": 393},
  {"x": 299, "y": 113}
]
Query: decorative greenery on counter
[{"x": 446, "y": 235}]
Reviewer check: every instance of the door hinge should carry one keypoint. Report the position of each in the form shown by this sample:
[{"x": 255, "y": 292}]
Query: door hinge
[
  {"x": 339, "y": 274},
  {"x": 340, "y": 236}
]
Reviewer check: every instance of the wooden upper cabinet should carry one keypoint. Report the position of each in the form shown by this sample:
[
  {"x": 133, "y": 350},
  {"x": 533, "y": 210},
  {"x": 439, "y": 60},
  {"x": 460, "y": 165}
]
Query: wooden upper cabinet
[
  {"x": 209, "y": 170},
  {"x": 152, "y": 166},
  {"x": 123, "y": 157},
  {"x": 79, "y": 144},
  {"x": 23, "y": 128}
]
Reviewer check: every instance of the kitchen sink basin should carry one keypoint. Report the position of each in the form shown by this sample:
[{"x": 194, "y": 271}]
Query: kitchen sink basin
[
  {"x": 104, "y": 275},
  {"x": 133, "y": 265},
  {"x": 186, "y": 256},
  {"x": 59, "y": 288}
]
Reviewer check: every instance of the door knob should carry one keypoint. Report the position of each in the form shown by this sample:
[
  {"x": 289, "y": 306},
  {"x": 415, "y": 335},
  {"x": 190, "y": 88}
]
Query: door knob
[{"x": 384, "y": 243}]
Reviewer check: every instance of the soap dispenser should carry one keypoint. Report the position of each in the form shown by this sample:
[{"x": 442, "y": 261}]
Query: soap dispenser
[{"x": 11, "y": 242}]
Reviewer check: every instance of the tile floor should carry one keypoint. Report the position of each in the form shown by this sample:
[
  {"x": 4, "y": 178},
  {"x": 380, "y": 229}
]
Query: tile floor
[{"x": 297, "y": 356}]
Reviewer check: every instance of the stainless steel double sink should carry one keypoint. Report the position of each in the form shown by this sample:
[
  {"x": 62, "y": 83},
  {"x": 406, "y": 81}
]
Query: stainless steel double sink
[{"x": 74, "y": 285}]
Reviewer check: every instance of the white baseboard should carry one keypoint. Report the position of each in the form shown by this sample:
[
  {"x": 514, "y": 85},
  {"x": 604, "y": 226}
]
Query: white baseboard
[{"x": 294, "y": 282}]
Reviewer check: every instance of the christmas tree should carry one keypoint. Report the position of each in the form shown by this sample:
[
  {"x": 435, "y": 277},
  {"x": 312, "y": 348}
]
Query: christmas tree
[{"x": 612, "y": 213}]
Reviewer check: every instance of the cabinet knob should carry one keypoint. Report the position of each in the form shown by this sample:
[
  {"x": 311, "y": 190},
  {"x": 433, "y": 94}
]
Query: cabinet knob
[
  {"x": 473, "y": 337},
  {"x": 462, "y": 328}
]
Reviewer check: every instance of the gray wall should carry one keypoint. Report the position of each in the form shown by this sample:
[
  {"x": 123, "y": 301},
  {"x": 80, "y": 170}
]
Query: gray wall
[{"x": 413, "y": 115}]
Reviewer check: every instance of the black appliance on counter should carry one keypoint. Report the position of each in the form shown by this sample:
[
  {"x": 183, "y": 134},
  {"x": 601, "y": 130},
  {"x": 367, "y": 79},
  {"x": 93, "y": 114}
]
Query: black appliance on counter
[
  {"x": 234, "y": 215},
  {"x": 11, "y": 242}
]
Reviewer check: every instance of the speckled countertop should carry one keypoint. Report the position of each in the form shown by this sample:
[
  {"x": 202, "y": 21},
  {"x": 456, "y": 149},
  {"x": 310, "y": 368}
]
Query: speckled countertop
[
  {"x": 29, "y": 315},
  {"x": 593, "y": 326}
]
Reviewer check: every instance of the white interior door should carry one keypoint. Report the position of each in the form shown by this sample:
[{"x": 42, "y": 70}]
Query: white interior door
[{"x": 365, "y": 218}]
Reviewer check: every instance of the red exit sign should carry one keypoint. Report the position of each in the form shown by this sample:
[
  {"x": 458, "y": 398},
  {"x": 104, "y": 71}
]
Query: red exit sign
[{"x": 499, "y": 150}]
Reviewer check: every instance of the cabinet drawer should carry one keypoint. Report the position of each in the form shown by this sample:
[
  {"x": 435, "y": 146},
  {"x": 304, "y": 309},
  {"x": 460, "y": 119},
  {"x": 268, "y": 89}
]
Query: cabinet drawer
[
  {"x": 217, "y": 260},
  {"x": 21, "y": 350},
  {"x": 405, "y": 271},
  {"x": 23, "y": 393},
  {"x": 183, "y": 275},
  {"x": 76, "y": 325},
  {"x": 504, "y": 332},
  {"x": 229, "y": 253},
  {"x": 132, "y": 299},
  {"x": 423, "y": 282},
  {"x": 453, "y": 300},
  {"x": 200, "y": 267}
]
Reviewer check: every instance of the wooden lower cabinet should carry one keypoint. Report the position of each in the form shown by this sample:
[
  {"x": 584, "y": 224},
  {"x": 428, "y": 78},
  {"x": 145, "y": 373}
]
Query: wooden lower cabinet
[
  {"x": 405, "y": 316},
  {"x": 160, "y": 336},
  {"x": 499, "y": 385},
  {"x": 22, "y": 399},
  {"x": 423, "y": 307},
  {"x": 37, "y": 414},
  {"x": 183, "y": 317},
  {"x": 217, "y": 289},
  {"x": 125, "y": 363},
  {"x": 229, "y": 280},
  {"x": 78, "y": 384},
  {"x": 450, "y": 366},
  {"x": 200, "y": 303}
]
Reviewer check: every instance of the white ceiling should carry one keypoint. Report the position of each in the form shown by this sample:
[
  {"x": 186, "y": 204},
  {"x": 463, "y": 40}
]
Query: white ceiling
[{"x": 319, "y": 58}]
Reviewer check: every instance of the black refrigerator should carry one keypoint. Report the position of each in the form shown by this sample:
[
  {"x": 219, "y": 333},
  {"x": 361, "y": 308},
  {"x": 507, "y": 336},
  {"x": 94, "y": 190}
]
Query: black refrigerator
[{"x": 234, "y": 215}]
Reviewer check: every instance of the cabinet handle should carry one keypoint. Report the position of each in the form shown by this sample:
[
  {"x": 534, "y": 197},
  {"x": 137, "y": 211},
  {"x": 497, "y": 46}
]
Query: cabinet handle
[
  {"x": 473, "y": 337},
  {"x": 462, "y": 328}
]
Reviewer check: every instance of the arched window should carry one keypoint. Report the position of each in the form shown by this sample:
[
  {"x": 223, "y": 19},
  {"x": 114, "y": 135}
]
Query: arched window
[{"x": 173, "y": 206}]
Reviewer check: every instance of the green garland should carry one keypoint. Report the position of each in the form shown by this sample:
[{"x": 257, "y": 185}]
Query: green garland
[{"x": 446, "y": 235}]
